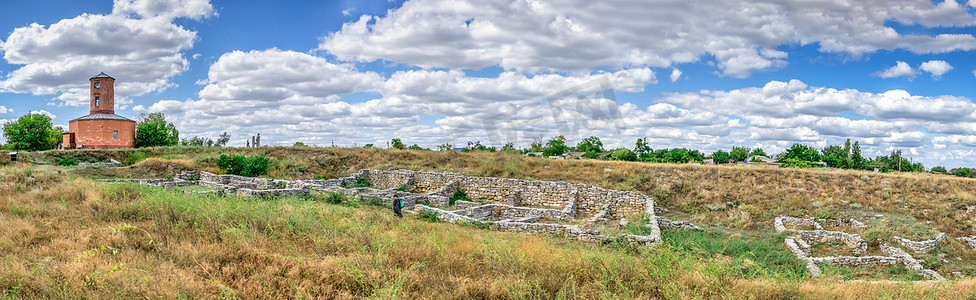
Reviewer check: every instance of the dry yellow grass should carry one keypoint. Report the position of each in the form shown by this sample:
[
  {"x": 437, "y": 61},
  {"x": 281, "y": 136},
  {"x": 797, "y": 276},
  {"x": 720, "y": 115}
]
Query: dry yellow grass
[{"x": 65, "y": 235}]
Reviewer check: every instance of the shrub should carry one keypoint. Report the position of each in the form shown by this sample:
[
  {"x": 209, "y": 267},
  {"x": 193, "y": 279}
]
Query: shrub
[
  {"x": 459, "y": 194},
  {"x": 375, "y": 201},
  {"x": 429, "y": 216},
  {"x": 67, "y": 162},
  {"x": 361, "y": 182},
  {"x": 243, "y": 165},
  {"x": 403, "y": 188},
  {"x": 136, "y": 157},
  {"x": 317, "y": 177},
  {"x": 335, "y": 198}
]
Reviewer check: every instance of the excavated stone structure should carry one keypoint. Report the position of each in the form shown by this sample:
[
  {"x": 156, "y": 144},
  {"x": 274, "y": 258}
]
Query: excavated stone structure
[
  {"x": 800, "y": 244},
  {"x": 549, "y": 201}
]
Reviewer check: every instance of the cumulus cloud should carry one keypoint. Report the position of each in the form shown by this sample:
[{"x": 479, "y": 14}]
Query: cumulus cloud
[
  {"x": 142, "y": 53},
  {"x": 4, "y": 109},
  {"x": 900, "y": 69},
  {"x": 935, "y": 67},
  {"x": 575, "y": 36},
  {"x": 675, "y": 75},
  {"x": 168, "y": 9},
  {"x": 43, "y": 112}
]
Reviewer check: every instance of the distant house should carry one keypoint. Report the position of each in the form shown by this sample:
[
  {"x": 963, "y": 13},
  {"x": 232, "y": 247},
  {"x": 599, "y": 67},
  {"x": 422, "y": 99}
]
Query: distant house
[
  {"x": 535, "y": 154},
  {"x": 576, "y": 155},
  {"x": 761, "y": 159},
  {"x": 708, "y": 161},
  {"x": 602, "y": 155}
]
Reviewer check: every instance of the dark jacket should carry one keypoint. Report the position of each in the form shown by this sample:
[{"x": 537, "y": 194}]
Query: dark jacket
[{"x": 397, "y": 204}]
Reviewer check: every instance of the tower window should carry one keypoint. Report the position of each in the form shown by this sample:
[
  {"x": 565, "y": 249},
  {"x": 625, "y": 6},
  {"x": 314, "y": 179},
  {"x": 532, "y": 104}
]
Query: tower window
[
  {"x": 97, "y": 102},
  {"x": 97, "y": 85},
  {"x": 115, "y": 134}
]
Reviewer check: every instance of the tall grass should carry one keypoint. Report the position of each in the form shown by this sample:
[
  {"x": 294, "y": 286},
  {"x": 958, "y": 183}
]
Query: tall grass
[{"x": 92, "y": 240}]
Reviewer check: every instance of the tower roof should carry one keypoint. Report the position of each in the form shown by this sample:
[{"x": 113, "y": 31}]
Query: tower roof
[{"x": 101, "y": 75}]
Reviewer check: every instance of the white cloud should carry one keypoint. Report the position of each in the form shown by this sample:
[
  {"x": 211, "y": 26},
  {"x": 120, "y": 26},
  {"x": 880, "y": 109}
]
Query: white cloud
[
  {"x": 142, "y": 54},
  {"x": 900, "y": 69},
  {"x": 43, "y": 112},
  {"x": 4, "y": 109},
  {"x": 675, "y": 75},
  {"x": 573, "y": 36},
  {"x": 935, "y": 67},
  {"x": 167, "y": 9}
]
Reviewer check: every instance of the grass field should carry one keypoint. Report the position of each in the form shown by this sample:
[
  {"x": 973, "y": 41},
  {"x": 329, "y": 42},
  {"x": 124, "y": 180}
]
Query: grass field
[{"x": 68, "y": 236}]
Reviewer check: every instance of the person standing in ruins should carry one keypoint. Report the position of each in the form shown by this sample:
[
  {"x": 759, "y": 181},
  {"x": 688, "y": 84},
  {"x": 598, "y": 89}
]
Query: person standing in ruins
[{"x": 397, "y": 205}]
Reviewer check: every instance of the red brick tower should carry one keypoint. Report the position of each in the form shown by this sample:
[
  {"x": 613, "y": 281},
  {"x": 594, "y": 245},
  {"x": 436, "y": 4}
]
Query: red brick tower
[{"x": 102, "y": 94}]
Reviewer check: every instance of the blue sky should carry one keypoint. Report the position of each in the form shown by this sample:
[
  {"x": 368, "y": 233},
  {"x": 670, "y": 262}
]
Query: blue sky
[{"x": 708, "y": 75}]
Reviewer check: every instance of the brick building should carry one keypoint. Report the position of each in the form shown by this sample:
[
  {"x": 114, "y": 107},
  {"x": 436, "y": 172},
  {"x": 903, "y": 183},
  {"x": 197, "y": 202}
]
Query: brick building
[{"x": 101, "y": 128}]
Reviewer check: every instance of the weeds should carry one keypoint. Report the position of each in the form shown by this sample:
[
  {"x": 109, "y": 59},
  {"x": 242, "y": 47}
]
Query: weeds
[
  {"x": 459, "y": 194},
  {"x": 429, "y": 216}
]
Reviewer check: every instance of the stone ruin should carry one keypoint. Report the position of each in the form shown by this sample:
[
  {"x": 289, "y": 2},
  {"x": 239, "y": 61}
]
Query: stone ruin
[
  {"x": 813, "y": 233},
  {"x": 527, "y": 206}
]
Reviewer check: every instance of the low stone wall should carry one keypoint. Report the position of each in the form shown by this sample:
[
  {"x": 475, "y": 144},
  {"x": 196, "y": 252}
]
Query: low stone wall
[
  {"x": 565, "y": 231},
  {"x": 969, "y": 241},
  {"x": 800, "y": 246},
  {"x": 589, "y": 199},
  {"x": 783, "y": 223},
  {"x": 921, "y": 247},
  {"x": 815, "y": 237},
  {"x": 430, "y": 192},
  {"x": 667, "y": 223}
]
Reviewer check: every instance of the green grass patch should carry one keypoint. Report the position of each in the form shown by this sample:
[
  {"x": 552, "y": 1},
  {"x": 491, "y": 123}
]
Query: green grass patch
[
  {"x": 753, "y": 256},
  {"x": 459, "y": 194},
  {"x": 879, "y": 272}
]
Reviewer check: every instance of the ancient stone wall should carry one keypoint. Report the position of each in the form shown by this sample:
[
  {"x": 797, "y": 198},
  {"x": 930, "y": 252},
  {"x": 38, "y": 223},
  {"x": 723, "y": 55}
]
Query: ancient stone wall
[
  {"x": 921, "y": 247},
  {"x": 589, "y": 199}
]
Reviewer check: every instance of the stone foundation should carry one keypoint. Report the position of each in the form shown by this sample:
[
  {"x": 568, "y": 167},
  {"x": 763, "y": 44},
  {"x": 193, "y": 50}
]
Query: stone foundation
[
  {"x": 558, "y": 201},
  {"x": 921, "y": 247},
  {"x": 800, "y": 245},
  {"x": 969, "y": 241}
]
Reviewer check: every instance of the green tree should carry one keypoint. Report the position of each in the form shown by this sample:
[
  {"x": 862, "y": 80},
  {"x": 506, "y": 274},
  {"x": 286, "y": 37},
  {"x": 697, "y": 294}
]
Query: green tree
[
  {"x": 800, "y": 152},
  {"x": 964, "y": 172},
  {"x": 939, "y": 169},
  {"x": 398, "y": 144},
  {"x": 757, "y": 151},
  {"x": 836, "y": 157},
  {"x": 223, "y": 139},
  {"x": 445, "y": 147},
  {"x": 416, "y": 147},
  {"x": 721, "y": 157},
  {"x": 509, "y": 147},
  {"x": 623, "y": 154},
  {"x": 555, "y": 146},
  {"x": 153, "y": 130},
  {"x": 641, "y": 148},
  {"x": 592, "y": 146},
  {"x": 739, "y": 154},
  {"x": 32, "y": 132}
]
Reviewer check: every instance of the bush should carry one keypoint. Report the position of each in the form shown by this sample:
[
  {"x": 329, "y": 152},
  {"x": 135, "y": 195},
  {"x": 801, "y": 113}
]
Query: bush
[
  {"x": 67, "y": 162},
  {"x": 459, "y": 194},
  {"x": 429, "y": 216},
  {"x": 136, "y": 157},
  {"x": 243, "y": 165},
  {"x": 375, "y": 201},
  {"x": 403, "y": 188},
  {"x": 940, "y": 169},
  {"x": 361, "y": 182},
  {"x": 335, "y": 198}
]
